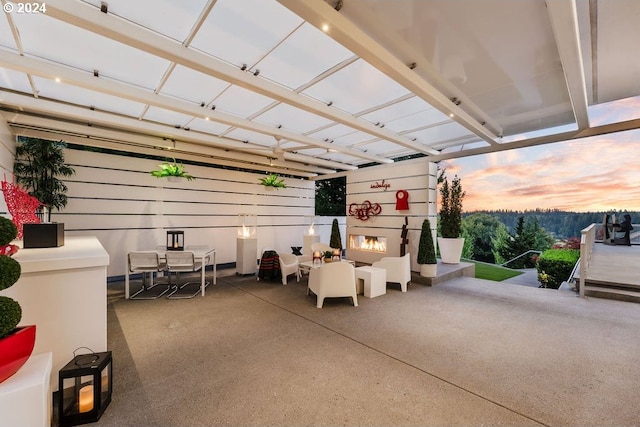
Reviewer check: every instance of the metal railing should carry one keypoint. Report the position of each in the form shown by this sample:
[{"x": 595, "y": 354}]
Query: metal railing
[
  {"x": 587, "y": 238},
  {"x": 504, "y": 264}
]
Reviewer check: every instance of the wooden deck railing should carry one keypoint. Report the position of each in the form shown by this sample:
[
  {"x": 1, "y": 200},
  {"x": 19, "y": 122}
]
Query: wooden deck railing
[{"x": 588, "y": 237}]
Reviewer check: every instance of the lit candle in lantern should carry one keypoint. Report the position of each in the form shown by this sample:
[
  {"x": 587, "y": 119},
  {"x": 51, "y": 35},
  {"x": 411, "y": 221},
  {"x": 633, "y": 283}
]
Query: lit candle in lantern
[
  {"x": 336, "y": 255},
  {"x": 85, "y": 403}
]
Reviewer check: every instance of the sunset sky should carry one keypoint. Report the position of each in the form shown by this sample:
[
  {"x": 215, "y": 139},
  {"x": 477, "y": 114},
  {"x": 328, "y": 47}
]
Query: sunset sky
[{"x": 591, "y": 174}]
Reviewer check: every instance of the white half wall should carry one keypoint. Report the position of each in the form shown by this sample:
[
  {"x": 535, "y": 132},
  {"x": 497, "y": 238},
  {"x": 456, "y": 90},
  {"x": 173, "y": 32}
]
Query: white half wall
[{"x": 380, "y": 184}]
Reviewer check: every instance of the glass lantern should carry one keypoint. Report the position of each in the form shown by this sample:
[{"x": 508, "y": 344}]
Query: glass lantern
[
  {"x": 247, "y": 224},
  {"x": 175, "y": 240},
  {"x": 85, "y": 388}
]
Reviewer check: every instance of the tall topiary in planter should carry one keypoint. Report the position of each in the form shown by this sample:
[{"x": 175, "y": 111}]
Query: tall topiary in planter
[
  {"x": 427, "y": 252},
  {"x": 336, "y": 240},
  {"x": 16, "y": 344},
  {"x": 39, "y": 164},
  {"x": 450, "y": 243}
]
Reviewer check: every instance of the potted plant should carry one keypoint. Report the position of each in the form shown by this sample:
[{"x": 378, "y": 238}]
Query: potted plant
[
  {"x": 427, "y": 252},
  {"x": 327, "y": 256},
  {"x": 273, "y": 181},
  {"x": 450, "y": 243},
  {"x": 16, "y": 343},
  {"x": 37, "y": 166},
  {"x": 172, "y": 171}
]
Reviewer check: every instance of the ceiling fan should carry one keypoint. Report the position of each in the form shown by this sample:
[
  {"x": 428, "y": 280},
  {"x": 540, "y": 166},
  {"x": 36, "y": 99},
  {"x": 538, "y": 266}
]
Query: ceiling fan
[{"x": 277, "y": 152}]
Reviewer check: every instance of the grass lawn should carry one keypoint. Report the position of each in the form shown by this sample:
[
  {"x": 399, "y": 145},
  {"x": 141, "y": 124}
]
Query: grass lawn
[{"x": 494, "y": 272}]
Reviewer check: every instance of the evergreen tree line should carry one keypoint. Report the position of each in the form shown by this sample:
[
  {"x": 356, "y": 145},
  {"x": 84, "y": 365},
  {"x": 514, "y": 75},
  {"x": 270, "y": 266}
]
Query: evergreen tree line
[
  {"x": 560, "y": 224},
  {"x": 515, "y": 239}
]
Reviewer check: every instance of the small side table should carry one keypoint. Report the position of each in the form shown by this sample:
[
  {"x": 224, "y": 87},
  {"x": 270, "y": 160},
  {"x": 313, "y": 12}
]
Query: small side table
[{"x": 373, "y": 280}]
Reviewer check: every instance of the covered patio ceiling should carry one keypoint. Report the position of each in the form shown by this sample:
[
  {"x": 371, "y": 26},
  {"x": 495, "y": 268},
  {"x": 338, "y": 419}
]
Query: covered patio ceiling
[{"x": 312, "y": 87}]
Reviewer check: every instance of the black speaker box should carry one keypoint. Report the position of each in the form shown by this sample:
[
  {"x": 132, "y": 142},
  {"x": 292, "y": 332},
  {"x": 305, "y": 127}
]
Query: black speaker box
[{"x": 47, "y": 235}]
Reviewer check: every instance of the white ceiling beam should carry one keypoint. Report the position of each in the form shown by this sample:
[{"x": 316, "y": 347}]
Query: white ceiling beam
[
  {"x": 564, "y": 21},
  {"x": 98, "y": 133},
  {"x": 90, "y": 18},
  {"x": 110, "y": 87},
  {"x": 319, "y": 13},
  {"x": 549, "y": 139},
  {"x": 82, "y": 115}
]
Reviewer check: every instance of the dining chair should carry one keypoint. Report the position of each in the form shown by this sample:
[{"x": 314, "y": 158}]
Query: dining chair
[
  {"x": 148, "y": 264},
  {"x": 182, "y": 262}
]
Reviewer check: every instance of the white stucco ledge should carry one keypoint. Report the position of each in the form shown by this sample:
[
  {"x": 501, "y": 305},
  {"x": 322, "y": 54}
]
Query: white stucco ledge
[{"x": 77, "y": 252}]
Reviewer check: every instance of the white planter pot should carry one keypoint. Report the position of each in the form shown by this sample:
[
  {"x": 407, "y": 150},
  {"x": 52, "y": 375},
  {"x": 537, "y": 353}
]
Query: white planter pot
[
  {"x": 450, "y": 249},
  {"x": 428, "y": 270}
]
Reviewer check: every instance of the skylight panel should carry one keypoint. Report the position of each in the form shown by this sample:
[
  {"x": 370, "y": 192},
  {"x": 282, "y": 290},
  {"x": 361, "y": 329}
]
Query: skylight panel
[
  {"x": 293, "y": 63},
  {"x": 170, "y": 118},
  {"x": 241, "y": 102},
  {"x": 172, "y": 18},
  {"x": 292, "y": 118},
  {"x": 434, "y": 135},
  {"x": 72, "y": 46},
  {"x": 87, "y": 98},
  {"x": 244, "y": 31},
  {"x": 355, "y": 88},
  {"x": 208, "y": 126},
  {"x": 252, "y": 137},
  {"x": 193, "y": 86},
  {"x": 14, "y": 80}
]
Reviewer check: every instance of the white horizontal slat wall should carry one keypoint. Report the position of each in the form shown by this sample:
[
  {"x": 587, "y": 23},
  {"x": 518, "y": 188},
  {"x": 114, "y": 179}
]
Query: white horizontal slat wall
[
  {"x": 417, "y": 177},
  {"x": 116, "y": 199},
  {"x": 7, "y": 154}
]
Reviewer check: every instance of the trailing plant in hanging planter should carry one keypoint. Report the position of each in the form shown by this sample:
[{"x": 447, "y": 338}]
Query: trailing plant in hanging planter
[
  {"x": 174, "y": 169},
  {"x": 273, "y": 180}
]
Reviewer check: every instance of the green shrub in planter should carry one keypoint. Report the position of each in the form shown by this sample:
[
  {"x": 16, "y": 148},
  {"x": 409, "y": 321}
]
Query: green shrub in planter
[
  {"x": 10, "y": 311},
  {"x": 9, "y": 271},
  {"x": 8, "y": 231},
  {"x": 555, "y": 266},
  {"x": 10, "y": 315},
  {"x": 426, "y": 249}
]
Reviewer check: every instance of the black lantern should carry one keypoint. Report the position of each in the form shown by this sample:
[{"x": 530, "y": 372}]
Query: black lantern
[
  {"x": 85, "y": 386},
  {"x": 175, "y": 240}
]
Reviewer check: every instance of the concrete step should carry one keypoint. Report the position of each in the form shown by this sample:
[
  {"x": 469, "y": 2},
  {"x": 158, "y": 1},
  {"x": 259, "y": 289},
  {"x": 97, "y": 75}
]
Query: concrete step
[{"x": 445, "y": 272}]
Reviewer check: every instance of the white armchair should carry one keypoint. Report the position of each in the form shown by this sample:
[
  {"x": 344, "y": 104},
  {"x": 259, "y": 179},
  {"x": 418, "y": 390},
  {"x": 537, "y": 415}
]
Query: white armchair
[
  {"x": 398, "y": 270},
  {"x": 336, "y": 279},
  {"x": 288, "y": 266}
]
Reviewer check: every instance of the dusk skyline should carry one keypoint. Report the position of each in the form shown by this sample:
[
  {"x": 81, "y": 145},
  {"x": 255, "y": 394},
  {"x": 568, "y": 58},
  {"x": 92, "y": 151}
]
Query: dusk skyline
[{"x": 599, "y": 173}]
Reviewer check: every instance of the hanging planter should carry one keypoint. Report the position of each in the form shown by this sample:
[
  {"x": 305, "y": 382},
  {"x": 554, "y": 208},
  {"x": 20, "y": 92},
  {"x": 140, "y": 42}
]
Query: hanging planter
[
  {"x": 273, "y": 181},
  {"x": 172, "y": 171}
]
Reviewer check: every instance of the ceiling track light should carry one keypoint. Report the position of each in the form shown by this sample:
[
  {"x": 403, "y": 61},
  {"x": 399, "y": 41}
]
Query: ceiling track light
[
  {"x": 456, "y": 101},
  {"x": 413, "y": 66},
  {"x": 330, "y": 104},
  {"x": 338, "y": 5},
  {"x": 244, "y": 67},
  {"x": 279, "y": 126},
  {"x": 213, "y": 107},
  {"x": 202, "y": 104},
  {"x": 96, "y": 73},
  {"x": 256, "y": 72},
  {"x": 104, "y": 7}
]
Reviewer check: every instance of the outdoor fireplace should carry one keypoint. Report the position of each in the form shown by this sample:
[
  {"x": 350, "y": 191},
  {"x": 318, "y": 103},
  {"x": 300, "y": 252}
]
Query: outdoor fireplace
[{"x": 375, "y": 244}]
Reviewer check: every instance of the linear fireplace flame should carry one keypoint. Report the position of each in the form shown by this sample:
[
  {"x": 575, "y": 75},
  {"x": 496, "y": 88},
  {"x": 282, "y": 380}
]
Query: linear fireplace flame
[{"x": 368, "y": 243}]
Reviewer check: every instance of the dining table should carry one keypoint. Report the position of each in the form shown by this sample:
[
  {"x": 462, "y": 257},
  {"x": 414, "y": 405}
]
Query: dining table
[{"x": 203, "y": 254}]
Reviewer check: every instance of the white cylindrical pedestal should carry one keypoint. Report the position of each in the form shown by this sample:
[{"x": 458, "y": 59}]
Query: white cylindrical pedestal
[{"x": 308, "y": 240}]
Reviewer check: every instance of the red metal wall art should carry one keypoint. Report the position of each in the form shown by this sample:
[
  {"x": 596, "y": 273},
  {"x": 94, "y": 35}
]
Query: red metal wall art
[{"x": 364, "y": 211}]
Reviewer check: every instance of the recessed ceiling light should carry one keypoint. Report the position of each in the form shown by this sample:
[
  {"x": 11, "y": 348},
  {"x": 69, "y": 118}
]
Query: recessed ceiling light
[
  {"x": 206, "y": 118},
  {"x": 57, "y": 79},
  {"x": 325, "y": 27},
  {"x": 451, "y": 115}
]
